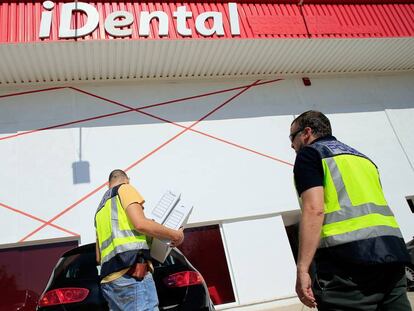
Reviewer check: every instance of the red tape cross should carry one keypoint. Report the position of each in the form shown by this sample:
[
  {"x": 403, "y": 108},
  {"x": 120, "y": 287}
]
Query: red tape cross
[
  {"x": 139, "y": 110},
  {"x": 129, "y": 109},
  {"x": 37, "y": 218},
  {"x": 139, "y": 161}
]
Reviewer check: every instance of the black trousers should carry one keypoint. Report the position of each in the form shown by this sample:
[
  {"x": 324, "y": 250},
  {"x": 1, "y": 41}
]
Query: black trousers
[{"x": 351, "y": 287}]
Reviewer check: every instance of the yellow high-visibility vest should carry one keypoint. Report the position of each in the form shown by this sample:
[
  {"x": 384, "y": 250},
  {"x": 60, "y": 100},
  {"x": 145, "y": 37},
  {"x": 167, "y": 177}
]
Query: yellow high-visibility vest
[
  {"x": 119, "y": 242},
  {"x": 355, "y": 207}
]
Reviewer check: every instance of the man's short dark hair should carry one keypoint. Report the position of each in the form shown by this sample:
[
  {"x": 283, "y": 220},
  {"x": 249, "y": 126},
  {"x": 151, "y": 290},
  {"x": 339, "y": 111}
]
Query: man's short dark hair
[
  {"x": 317, "y": 121},
  {"x": 117, "y": 174}
]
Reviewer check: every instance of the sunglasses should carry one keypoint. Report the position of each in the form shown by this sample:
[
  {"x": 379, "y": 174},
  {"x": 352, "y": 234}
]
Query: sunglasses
[{"x": 294, "y": 134}]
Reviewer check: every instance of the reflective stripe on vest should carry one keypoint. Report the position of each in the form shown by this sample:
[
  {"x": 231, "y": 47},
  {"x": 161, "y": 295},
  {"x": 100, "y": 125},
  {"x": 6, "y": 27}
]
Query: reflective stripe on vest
[
  {"x": 363, "y": 215},
  {"x": 123, "y": 237}
]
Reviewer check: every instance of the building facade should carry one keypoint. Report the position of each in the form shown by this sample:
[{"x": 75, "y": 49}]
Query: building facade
[{"x": 199, "y": 97}]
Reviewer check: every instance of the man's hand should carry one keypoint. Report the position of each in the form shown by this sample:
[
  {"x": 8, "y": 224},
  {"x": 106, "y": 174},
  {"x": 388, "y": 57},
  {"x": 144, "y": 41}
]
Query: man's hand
[
  {"x": 179, "y": 238},
  {"x": 304, "y": 290}
]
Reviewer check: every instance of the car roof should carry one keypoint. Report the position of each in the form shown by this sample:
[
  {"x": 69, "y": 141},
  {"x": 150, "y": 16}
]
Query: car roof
[{"x": 87, "y": 248}]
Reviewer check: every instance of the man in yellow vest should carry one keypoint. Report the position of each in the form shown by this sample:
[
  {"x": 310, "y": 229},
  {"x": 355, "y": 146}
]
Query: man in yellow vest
[
  {"x": 347, "y": 229},
  {"x": 122, "y": 232}
]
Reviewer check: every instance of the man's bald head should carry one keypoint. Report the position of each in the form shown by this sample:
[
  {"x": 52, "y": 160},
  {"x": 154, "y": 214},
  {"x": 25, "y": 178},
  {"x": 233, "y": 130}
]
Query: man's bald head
[{"x": 117, "y": 177}]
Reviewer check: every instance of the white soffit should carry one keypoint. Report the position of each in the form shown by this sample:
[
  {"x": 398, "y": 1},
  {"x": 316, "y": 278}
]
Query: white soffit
[{"x": 172, "y": 59}]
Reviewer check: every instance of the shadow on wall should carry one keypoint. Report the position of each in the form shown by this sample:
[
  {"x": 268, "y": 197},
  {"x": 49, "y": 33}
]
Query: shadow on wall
[
  {"x": 80, "y": 169},
  {"x": 81, "y": 172}
]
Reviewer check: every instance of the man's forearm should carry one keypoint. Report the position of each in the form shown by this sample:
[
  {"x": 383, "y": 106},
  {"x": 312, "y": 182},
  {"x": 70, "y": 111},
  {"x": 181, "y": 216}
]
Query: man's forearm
[
  {"x": 97, "y": 252},
  {"x": 149, "y": 227},
  {"x": 154, "y": 229},
  {"x": 310, "y": 226},
  {"x": 309, "y": 237}
]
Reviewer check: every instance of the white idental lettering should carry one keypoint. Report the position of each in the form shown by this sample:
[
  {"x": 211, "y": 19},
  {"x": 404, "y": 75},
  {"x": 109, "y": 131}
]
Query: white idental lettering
[
  {"x": 217, "y": 24},
  {"x": 46, "y": 20},
  {"x": 182, "y": 14},
  {"x": 66, "y": 17},
  {"x": 118, "y": 23},
  {"x": 234, "y": 19},
  {"x": 145, "y": 20},
  {"x": 117, "y": 20}
]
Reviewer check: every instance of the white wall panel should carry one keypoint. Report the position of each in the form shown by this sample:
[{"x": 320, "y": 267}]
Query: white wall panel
[
  {"x": 402, "y": 121},
  {"x": 339, "y": 95},
  {"x": 219, "y": 179},
  {"x": 232, "y": 174},
  {"x": 15, "y": 224},
  {"x": 47, "y": 108},
  {"x": 261, "y": 259},
  {"x": 395, "y": 91},
  {"x": 45, "y": 170}
]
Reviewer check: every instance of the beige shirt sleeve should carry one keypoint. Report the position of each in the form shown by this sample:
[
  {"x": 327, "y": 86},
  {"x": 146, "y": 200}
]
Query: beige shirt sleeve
[{"x": 128, "y": 195}]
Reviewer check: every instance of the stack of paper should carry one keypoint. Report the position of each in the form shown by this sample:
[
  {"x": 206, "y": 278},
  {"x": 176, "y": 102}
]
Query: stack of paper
[{"x": 173, "y": 213}]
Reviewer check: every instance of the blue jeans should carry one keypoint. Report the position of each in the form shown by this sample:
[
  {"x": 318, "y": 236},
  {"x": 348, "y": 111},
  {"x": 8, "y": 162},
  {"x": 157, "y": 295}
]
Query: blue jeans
[{"x": 128, "y": 294}]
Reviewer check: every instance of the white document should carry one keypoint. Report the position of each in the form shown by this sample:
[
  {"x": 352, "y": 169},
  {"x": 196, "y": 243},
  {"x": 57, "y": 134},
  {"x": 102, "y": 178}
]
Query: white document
[
  {"x": 172, "y": 213},
  {"x": 178, "y": 216},
  {"x": 164, "y": 206}
]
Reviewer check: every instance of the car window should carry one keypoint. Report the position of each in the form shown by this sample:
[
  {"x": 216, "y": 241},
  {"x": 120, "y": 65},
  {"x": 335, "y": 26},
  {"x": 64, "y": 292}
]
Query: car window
[{"x": 77, "y": 266}]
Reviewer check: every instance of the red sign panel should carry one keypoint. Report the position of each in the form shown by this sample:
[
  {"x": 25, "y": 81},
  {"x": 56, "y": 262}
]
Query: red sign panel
[{"x": 62, "y": 20}]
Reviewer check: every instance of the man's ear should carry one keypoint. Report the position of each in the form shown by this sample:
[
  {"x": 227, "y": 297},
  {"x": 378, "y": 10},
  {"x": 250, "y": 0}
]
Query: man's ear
[{"x": 308, "y": 133}]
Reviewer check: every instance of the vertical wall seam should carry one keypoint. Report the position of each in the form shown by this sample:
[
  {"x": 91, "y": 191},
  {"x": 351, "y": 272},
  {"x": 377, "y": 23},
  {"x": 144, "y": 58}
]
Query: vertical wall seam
[
  {"x": 229, "y": 265},
  {"x": 399, "y": 141}
]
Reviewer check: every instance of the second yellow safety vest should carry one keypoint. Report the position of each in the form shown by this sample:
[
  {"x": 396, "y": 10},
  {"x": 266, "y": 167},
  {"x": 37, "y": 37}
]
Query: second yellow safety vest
[{"x": 355, "y": 207}]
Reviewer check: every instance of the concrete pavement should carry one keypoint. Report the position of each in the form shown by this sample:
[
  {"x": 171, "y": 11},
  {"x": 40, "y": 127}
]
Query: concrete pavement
[
  {"x": 410, "y": 298},
  {"x": 290, "y": 304}
]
